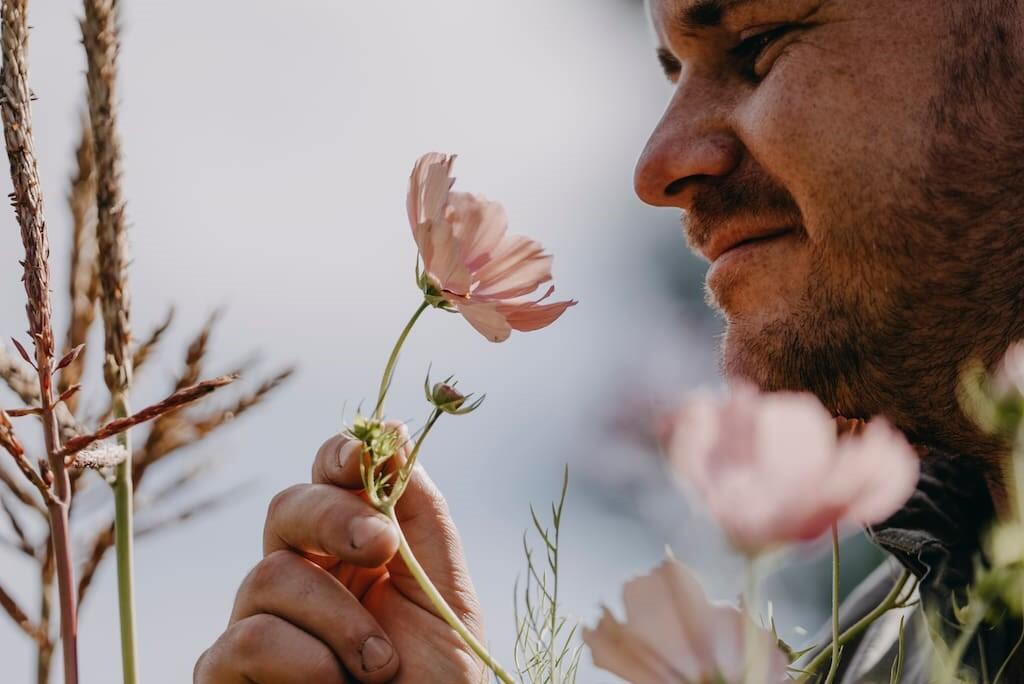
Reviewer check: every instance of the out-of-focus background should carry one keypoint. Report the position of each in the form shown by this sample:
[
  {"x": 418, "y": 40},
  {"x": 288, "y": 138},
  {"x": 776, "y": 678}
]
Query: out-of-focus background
[{"x": 267, "y": 149}]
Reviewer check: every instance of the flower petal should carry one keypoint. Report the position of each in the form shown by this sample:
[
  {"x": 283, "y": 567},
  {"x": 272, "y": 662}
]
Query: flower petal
[
  {"x": 479, "y": 226},
  {"x": 428, "y": 195},
  {"x": 487, "y": 320},
  {"x": 530, "y": 316},
  {"x": 508, "y": 258},
  {"x": 878, "y": 471},
  {"x": 445, "y": 260},
  {"x": 616, "y": 649}
]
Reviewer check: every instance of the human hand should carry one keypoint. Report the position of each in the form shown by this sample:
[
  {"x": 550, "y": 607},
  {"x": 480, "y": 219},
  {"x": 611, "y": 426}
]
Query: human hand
[{"x": 332, "y": 603}]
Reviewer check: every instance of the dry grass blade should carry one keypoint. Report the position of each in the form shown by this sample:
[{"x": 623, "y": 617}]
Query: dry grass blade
[
  {"x": 19, "y": 378},
  {"x": 149, "y": 345},
  {"x": 196, "y": 353},
  {"x": 19, "y": 492},
  {"x": 84, "y": 276},
  {"x": 20, "y": 618},
  {"x": 100, "y": 545},
  {"x": 10, "y": 443},
  {"x": 175, "y": 433},
  {"x": 177, "y": 400},
  {"x": 204, "y": 426},
  {"x": 24, "y": 544}
]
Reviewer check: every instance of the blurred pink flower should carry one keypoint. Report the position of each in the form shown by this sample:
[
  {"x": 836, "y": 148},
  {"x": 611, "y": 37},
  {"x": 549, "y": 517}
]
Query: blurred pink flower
[
  {"x": 773, "y": 470},
  {"x": 470, "y": 262},
  {"x": 674, "y": 635}
]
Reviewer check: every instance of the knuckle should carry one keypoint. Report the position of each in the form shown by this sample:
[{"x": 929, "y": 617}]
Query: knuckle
[
  {"x": 269, "y": 572},
  {"x": 279, "y": 500},
  {"x": 247, "y": 639}
]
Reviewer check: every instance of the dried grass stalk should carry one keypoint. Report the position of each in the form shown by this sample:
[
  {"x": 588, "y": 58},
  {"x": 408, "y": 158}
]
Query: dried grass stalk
[
  {"x": 16, "y": 113},
  {"x": 177, "y": 400},
  {"x": 101, "y": 40},
  {"x": 146, "y": 348},
  {"x": 19, "y": 378}
]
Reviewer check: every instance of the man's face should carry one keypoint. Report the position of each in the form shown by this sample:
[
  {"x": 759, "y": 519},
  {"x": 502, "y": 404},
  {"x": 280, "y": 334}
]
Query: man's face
[{"x": 853, "y": 170}]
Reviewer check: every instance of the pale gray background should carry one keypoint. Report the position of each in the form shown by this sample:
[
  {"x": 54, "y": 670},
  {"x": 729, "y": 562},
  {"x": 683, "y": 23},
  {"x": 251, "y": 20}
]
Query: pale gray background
[{"x": 267, "y": 148}]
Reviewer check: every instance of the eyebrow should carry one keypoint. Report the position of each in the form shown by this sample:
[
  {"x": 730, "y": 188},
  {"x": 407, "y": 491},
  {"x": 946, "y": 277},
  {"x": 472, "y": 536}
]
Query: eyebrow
[{"x": 706, "y": 13}]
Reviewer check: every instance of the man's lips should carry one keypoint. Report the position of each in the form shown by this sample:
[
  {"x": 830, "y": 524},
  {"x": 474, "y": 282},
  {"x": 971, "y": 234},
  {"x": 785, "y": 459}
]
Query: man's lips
[{"x": 729, "y": 238}]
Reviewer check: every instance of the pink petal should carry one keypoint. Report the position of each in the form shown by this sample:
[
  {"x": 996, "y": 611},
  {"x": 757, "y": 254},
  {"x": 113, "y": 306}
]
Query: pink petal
[
  {"x": 521, "y": 280},
  {"x": 487, "y": 320},
  {"x": 479, "y": 226},
  {"x": 886, "y": 472},
  {"x": 669, "y": 610},
  {"x": 616, "y": 649},
  {"x": 444, "y": 259},
  {"x": 507, "y": 259},
  {"x": 529, "y": 316},
  {"x": 428, "y": 195}
]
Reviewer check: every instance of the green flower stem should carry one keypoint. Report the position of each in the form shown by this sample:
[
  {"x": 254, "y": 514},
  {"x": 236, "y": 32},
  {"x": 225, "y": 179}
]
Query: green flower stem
[
  {"x": 836, "y": 646},
  {"x": 406, "y": 471},
  {"x": 123, "y": 527},
  {"x": 444, "y": 611},
  {"x": 887, "y": 604},
  {"x": 956, "y": 654},
  {"x": 754, "y": 655},
  {"x": 389, "y": 369}
]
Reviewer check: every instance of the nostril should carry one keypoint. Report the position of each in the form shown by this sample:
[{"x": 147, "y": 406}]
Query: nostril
[{"x": 678, "y": 185}]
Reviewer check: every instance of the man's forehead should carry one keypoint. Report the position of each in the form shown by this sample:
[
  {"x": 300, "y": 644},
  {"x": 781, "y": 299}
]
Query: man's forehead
[{"x": 691, "y": 16}]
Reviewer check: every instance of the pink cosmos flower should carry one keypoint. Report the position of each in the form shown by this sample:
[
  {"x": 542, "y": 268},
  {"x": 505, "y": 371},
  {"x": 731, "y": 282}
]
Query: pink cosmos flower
[
  {"x": 773, "y": 470},
  {"x": 674, "y": 635},
  {"x": 471, "y": 264}
]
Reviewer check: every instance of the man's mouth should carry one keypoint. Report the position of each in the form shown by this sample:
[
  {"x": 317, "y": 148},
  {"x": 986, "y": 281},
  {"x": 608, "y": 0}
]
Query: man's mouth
[{"x": 732, "y": 238}]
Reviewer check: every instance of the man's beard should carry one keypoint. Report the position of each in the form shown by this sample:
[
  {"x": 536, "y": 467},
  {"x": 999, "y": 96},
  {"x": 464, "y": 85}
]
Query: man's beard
[{"x": 891, "y": 312}]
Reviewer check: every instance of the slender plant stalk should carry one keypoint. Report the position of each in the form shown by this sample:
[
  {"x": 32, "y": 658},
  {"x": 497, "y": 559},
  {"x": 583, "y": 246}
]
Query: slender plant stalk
[
  {"x": 15, "y": 107},
  {"x": 389, "y": 369},
  {"x": 963, "y": 642},
  {"x": 100, "y": 37},
  {"x": 892, "y": 600},
  {"x": 441, "y": 606},
  {"x": 836, "y": 647},
  {"x": 754, "y": 653}
]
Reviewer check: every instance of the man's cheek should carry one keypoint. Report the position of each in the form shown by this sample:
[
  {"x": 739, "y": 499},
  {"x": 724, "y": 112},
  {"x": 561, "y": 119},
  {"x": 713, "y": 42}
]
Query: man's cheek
[{"x": 798, "y": 129}]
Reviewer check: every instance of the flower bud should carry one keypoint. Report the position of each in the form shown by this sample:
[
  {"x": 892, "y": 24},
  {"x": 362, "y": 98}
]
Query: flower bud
[{"x": 446, "y": 398}]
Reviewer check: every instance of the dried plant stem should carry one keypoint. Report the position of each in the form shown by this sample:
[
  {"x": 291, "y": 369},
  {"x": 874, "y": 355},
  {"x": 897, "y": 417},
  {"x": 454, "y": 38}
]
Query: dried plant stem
[
  {"x": 100, "y": 37},
  {"x": 171, "y": 403},
  {"x": 15, "y": 107},
  {"x": 44, "y": 657}
]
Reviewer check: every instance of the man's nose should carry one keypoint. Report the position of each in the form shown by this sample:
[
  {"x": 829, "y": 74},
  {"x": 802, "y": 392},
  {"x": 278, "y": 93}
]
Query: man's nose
[{"x": 691, "y": 147}]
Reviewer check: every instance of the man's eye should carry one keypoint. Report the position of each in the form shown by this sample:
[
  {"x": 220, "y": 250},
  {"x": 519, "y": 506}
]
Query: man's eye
[{"x": 750, "y": 50}]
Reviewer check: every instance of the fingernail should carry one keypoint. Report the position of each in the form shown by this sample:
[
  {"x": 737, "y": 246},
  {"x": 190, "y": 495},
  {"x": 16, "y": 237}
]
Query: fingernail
[
  {"x": 346, "y": 450},
  {"x": 376, "y": 653},
  {"x": 365, "y": 530}
]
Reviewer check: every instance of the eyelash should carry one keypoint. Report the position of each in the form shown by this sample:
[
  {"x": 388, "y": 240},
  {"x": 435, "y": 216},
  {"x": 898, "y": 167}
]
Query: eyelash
[{"x": 751, "y": 49}]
